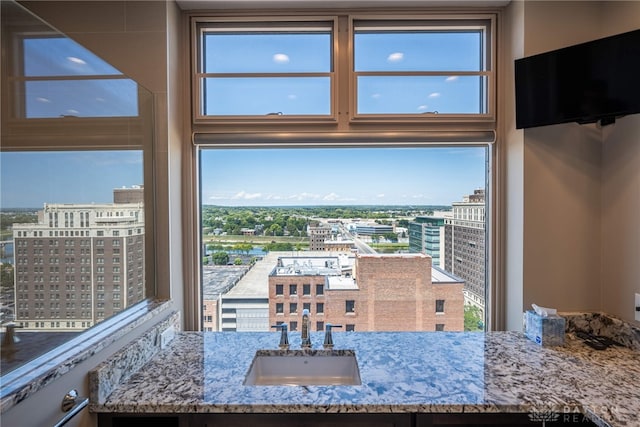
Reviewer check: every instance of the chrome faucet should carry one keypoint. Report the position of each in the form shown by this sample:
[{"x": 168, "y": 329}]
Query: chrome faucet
[
  {"x": 328, "y": 339},
  {"x": 306, "y": 328},
  {"x": 284, "y": 336}
]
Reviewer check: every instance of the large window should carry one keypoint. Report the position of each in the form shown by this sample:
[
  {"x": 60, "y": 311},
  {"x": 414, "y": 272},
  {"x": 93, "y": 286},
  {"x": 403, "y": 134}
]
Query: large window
[{"x": 339, "y": 153}]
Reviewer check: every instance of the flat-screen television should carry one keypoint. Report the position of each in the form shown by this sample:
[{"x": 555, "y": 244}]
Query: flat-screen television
[{"x": 585, "y": 83}]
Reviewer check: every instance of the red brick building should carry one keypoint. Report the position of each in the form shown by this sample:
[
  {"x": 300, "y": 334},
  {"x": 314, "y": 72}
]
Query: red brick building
[{"x": 366, "y": 293}]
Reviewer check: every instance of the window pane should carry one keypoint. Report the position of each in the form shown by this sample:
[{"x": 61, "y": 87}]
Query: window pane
[
  {"x": 60, "y": 56},
  {"x": 418, "y": 51},
  {"x": 391, "y": 232},
  {"x": 73, "y": 233},
  {"x": 270, "y": 52},
  {"x": 267, "y": 95},
  {"x": 421, "y": 94},
  {"x": 81, "y": 98}
]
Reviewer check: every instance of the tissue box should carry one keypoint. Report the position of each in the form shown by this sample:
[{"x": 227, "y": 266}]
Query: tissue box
[{"x": 546, "y": 331}]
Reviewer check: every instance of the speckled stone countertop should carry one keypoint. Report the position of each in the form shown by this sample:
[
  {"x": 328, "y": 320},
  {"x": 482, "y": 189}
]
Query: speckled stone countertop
[{"x": 401, "y": 372}]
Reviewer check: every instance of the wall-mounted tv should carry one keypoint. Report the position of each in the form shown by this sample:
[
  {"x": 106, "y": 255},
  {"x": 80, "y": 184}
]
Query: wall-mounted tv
[{"x": 585, "y": 83}]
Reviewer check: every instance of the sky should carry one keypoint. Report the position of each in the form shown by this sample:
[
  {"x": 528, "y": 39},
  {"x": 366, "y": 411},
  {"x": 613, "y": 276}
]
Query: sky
[
  {"x": 341, "y": 176},
  {"x": 253, "y": 176}
]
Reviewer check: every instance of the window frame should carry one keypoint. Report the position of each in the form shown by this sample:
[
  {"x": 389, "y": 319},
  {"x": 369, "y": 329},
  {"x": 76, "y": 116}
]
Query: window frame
[
  {"x": 349, "y": 131},
  {"x": 198, "y": 28},
  {"x": 343, "y": 85},
  {"x": 462, "y": 20}
]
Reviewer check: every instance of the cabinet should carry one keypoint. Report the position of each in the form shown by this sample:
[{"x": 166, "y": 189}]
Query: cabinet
[{"x": 336, "y": 420}]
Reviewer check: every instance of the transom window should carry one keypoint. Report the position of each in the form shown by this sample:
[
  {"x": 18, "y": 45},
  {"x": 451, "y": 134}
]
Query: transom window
[
  {"x": 423, "y": 69},
  {"x": 265, "y": 69}
]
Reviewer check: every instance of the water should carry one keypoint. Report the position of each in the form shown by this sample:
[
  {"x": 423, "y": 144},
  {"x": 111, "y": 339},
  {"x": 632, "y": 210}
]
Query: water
[{"x": 7, "y": 254}]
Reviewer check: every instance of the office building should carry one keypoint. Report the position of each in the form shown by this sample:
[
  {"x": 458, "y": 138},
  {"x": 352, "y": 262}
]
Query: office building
[{"x": 465, "y": 256}]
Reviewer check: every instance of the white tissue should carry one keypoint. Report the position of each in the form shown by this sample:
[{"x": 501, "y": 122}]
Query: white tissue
[{"x": 544, "y": 311}]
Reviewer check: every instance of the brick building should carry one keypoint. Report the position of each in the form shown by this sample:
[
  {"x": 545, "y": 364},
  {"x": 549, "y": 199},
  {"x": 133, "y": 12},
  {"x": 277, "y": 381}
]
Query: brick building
[
  {"x": 80, "y": 264},
  {"x": 366, "y": 293}
]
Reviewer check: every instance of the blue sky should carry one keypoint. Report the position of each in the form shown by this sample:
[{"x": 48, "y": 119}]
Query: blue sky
[
  {"x": 341, "y": 176},
  {"x": 30, "y": 179},
  {"x": 263, "y": 177}
]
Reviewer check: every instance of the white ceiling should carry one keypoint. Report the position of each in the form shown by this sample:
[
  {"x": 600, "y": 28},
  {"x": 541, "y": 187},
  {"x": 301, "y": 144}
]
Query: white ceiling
[{"x": 330, "y": 4}]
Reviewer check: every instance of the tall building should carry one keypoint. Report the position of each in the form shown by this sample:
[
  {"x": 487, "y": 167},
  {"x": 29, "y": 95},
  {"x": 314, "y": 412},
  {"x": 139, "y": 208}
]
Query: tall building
[
  {"x": 395, "y": 292},
  {"x": 465, "y": 246},
  {"x": 426, "y": 235},
  {"x": 80, "y": 263},
  {"x": 317, "y": 236}
]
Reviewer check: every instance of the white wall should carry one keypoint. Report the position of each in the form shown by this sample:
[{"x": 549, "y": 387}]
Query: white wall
[
  {"x": 621, "y": 190},
  {"x": 580, "y": 184}
]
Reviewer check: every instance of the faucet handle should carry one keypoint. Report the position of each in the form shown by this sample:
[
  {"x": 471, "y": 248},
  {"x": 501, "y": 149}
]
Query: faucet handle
[
  {"x": 284, "y": 336},
  {"x": 328, "y": 339}
]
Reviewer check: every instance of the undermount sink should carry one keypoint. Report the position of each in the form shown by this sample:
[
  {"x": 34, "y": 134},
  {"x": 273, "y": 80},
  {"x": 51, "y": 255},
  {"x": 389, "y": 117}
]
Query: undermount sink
[{"x": 303, "y": 367}]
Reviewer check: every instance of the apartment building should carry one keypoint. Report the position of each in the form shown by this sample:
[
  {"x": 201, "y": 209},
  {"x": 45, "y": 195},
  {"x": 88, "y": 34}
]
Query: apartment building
[
  {"x": 80, "y": 263},
  {"x": 426, "y": 235},
  {"x": 464, "y": 246},
  {"x": 366, "y": 293}
]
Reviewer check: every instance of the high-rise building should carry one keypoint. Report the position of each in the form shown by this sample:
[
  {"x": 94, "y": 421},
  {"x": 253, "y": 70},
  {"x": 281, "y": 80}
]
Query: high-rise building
[
  {"x": 465, "y": 254},
  {"x": 80, "y": 263},
  {"x": 426, "y": 235}
]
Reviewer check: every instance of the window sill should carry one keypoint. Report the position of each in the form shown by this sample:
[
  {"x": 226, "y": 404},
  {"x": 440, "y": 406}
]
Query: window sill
[{"x": 38, "y": 373}]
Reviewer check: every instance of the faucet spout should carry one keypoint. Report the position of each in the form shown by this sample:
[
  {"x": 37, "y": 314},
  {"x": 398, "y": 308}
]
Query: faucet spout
[{"x": 306, "y": 329}]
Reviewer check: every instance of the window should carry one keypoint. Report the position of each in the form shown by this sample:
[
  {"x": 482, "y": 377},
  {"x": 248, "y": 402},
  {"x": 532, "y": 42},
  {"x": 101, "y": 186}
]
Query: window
[
  {"x": 439, "y": 326},
  {"x": 350, "y": 306},
  {"x": 271, "y": 69},
  {"x": 439, "y": 306},
  {"x": 279, "y": 308},
  {"x": 293, "y": 326},
  {"x": 293, "y": 308},
  {"x": 414, "y": 74},
  {"x": 307, "y": 306},
  {"x": 350, "y": 328},
  {"x": 319, "y": 326},
  {"x": 395, "y": 183},
  {"x": 62, "y": 95}
]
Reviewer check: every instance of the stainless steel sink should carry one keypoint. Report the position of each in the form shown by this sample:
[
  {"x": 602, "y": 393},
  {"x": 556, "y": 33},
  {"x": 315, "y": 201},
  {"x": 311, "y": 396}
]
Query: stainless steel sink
[{"x": 303, "y": 367}]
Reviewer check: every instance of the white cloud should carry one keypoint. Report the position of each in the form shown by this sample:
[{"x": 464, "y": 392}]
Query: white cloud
[
  {"x": 44, "y": 100},
  {"x": 281, "y": 58},
  {"x": 423, "y": 107},
  {"x": 243, "y": 195},
  {"x": 380, "y": 196},
  {"x": 76, "y": 60},
  {"x": 395, "y": 57},
  {"x": 376, "y": 96},
  {"x": 331, "y": 197},
  {"x": 434, "y": 95},
  {"x": 292, "y": 96},
  {"x": 451, "y": 79}
]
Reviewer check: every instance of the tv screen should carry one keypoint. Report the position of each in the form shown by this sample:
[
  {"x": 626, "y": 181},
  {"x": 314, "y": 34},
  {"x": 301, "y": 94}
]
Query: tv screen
[{"x": 585, "y": 83}]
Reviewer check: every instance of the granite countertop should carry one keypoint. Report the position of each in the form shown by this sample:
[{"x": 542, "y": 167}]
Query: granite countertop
[{"x": 401, "y": 372}]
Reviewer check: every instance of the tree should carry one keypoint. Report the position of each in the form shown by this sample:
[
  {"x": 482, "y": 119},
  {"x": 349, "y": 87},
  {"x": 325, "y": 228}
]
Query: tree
[
  {"x": 473, "y": 318},
  {"x": 221, "y": 258},
  {"x": 237, "y": 261}
]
